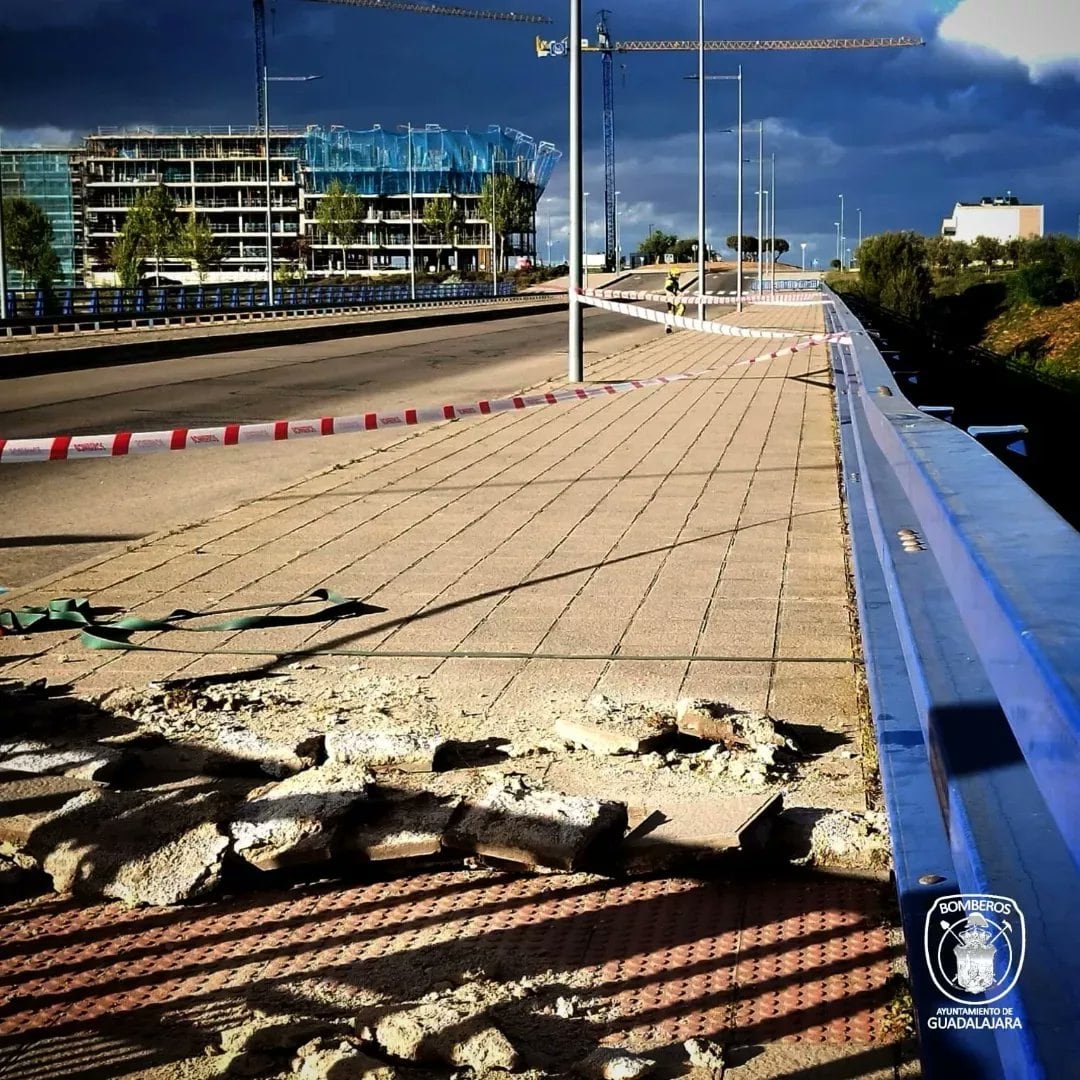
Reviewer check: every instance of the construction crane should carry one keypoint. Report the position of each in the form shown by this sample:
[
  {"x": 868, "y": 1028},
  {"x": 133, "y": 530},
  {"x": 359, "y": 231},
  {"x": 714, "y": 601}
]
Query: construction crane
[
  {"x": 259, "y": 11},
  {"x": 607, "y": 48}
]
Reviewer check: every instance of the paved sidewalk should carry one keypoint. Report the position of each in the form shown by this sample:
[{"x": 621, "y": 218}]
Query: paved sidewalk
[
  {"x": 679, "y": 540},
  {"x": 695, "y": 527}
]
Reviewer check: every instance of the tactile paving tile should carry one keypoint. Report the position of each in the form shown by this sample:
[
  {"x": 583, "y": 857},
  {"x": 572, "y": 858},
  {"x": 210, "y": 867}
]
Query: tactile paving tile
[{"x": 667, "y": 959}]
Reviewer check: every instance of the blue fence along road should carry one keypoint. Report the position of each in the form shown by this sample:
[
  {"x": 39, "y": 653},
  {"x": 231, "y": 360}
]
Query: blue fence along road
[{"x": 192, "y": 300}]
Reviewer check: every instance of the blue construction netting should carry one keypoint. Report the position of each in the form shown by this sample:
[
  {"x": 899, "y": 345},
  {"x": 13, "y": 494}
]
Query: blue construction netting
[{"x": 376, "y": 162}]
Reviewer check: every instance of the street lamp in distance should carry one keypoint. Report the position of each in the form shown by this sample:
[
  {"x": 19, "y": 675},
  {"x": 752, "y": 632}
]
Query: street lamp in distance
[{"x": 267, "y": 79}]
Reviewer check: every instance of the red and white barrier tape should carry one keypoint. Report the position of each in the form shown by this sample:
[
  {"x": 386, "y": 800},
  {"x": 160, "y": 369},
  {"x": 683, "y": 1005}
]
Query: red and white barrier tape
[
  {"x": 799, "y": 346},
  {"x": 793, "y": 299},
  {"x": 685, "y": 322},
  {"x": 121, "y": 443}
]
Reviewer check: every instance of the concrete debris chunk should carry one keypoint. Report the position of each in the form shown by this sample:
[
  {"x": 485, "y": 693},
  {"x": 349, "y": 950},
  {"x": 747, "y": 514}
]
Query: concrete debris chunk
[
  {"x": 87, "y": 762},
  {"x": 296, "y": 820},
  {"x": 705, "y": 1055},
  {"x": 402, "y": 828},
  {"x": 609, "y": 727},
  {"x": 31, "y": 802},
  {"x": 337, "y": 1058},
  {"x": 262, "y": 1032},
  {"x": 405, "y": 751},
  {"x": 452, "y": 1029},
  {"x": 701, "y": 827},
  {"x": 519, "y": 820},
  {"x": 614, "y": 1063},
  {"x": 732, "y": 728},
  {"x": 857, "y": 840},
  {"x": 156, "y": 847}
]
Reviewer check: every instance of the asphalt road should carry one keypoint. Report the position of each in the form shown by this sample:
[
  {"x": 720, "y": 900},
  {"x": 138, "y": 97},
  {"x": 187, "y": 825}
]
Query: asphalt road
[{"x": 58, "y": 514}]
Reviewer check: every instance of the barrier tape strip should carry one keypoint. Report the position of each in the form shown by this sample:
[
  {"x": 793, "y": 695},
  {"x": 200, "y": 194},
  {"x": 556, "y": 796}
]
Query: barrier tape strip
[
  {"x": 685, "y": 322},
  {"x": 798, "y": 299},
  {"x": 122, "y": 443}
]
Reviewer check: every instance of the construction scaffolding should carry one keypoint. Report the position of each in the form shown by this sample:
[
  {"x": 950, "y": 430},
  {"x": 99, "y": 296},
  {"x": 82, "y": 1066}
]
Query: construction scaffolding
[
  {"x": 376, "y": 162},
  {"x": 47, "y": 177}
]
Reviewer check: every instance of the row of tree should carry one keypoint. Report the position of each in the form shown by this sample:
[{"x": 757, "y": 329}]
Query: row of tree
[
  {"x": 659, "y": 244},
  {"x": 897, "y": 269}
]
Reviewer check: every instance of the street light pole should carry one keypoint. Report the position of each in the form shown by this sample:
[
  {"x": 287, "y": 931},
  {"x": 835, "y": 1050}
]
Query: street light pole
[
  {"x": 859, "y": 211},
  {"x": 837, "y": 224},
  {"x": 412, "y": 218},
  {"x": 618, "y": 256},
  {"x": 494, "y": 215},
  {"x": 267, "y": 79},
  {"x": 701, "y": 160},
  {"x": 765, "y": 195},
  {"x": 575, "y": 358},
  {"x": 761, "y": 188},
  {"x": 841, "y": 231},
  {"x": 585, "y": 236},
  {"x": 772, "y": 227},
  {"x": 803, "y": 246},
  {"x": 739, "y": 211}
]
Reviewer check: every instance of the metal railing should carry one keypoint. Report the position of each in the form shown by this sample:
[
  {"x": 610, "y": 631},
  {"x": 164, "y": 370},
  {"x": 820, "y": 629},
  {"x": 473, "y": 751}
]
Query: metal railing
[
  {"x": 69, "y": 303},
  {"x": 968, "y": 589}
]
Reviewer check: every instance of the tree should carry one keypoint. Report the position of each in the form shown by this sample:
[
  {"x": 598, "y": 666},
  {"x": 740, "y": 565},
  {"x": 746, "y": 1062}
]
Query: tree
[
  {"x": 684, "y": 250},
  {"x": 987, "y": 250},
  {"x": 937, "y": 251},
  {"x": 749, "y": 245},
  {"x": 338, "y": 215},
  {"x": 28, "y": 235},
  {"x": 893, "y": 271},
  {"x": 152, "y": 219},
  {"x": 442, "y": 219},
  {"x": 126, "y": 257},
  {"x": 778, "y": 246},
  {"x": 656, "y": 245},
  {"x": 507, "y": 205},
  {"x": 196, "y": 243}
]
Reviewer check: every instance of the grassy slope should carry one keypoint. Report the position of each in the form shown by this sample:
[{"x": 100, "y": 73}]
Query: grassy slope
[{"x": 1049, "y": 336}]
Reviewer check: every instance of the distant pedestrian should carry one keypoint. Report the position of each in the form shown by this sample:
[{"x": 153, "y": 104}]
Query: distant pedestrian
[{"x": 671, "y": 287}]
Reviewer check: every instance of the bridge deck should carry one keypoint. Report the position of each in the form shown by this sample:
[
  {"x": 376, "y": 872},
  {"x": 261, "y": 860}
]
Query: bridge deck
[{"x": 685, "y": 540}]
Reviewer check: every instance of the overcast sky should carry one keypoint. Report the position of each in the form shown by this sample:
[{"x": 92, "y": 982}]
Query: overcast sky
[{"x": 990, "y": 105}]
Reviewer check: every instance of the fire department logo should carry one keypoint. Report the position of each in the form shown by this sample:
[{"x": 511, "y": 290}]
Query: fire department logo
[{"x": 974, "y": 946}]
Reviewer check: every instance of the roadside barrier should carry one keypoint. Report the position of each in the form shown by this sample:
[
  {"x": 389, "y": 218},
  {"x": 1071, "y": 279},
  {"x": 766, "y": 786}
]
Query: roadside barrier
[{"x": 968, "y": 587}]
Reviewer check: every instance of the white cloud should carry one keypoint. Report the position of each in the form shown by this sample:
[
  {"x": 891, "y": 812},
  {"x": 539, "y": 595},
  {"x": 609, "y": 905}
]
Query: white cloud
[
  {"x": 46, "y": 135},
  {"x": 1041, "y": 34}
]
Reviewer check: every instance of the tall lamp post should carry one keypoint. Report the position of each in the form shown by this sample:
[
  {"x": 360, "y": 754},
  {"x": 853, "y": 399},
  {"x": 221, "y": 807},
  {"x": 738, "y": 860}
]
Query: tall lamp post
[
  {"x": 575, "y": 342},
  {"x": 618, "y": 254},
  {"x": 858, "y": 210},
  {"x": 701, "y": 161},
  {"x": 3, "y": 269},
  {"x": 738, "y": 186},
  {"x": 841, "y": 256},
  {"x": 760, "y": 195},
  {"x": 803, "y": 246},
  {"x": 585, "y": 236},
  {"x": 267, "y": 79},
  {"x": 838, "y": 262},
  {"x": 408, "y": 128},
  {"x": 772, "y": 227}
]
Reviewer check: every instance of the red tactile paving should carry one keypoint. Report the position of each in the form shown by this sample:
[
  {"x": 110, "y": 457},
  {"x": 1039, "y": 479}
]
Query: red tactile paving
[{"x": 670, "y": 959}]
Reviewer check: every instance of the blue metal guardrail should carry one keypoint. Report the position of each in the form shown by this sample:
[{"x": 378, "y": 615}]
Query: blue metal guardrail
[
  {"x": 192, "y": 300},
  {"x": 785, "y": 284},
  {"x": 968, "y": 589}
]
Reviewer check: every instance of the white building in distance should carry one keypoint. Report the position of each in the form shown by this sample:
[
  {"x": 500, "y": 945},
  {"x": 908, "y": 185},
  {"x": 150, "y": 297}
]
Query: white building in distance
[{"x": 1003, "y": 217}]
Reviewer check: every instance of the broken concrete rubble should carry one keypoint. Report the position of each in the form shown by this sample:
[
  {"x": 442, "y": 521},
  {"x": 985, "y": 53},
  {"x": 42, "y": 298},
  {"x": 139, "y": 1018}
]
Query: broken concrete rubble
[
  {"x": 700, "y": 828},
  {"x": 404, "y": 751},
  {"x": 705, "y": 1055},
  {"x": 296, "y": 820},
  {"x": 85, "y": 762},
  {"x": 614, "y": 1063},
  {"x": 851, "y": 839},
  {"x": 338, "y": 1058},
  {"x": 608, "y": 727},
  {"x": 523, "y": 822},
  {"x": 451, "y": 1028},
  {"x": 401, "y": 828},
  {"x": 157, "y": 847},
  {"x": 732, "y": 728},
  {"x": 31, "y": 802}
]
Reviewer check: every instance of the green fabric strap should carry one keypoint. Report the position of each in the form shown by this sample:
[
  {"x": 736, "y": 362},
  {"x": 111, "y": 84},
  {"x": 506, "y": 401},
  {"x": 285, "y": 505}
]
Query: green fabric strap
[{"x": 71, "y": 612}]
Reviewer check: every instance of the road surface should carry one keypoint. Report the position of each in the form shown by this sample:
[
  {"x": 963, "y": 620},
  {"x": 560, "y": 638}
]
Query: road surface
[{"x": 58, "y": 514}]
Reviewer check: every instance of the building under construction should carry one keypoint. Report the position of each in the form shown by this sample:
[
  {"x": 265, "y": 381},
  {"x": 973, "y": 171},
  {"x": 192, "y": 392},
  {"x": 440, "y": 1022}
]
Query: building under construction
[{"x": 219, "y": 174}]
